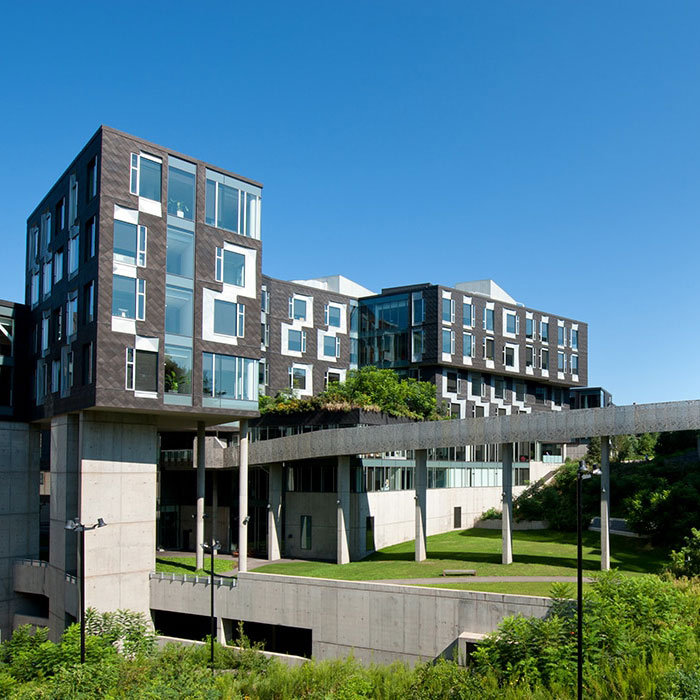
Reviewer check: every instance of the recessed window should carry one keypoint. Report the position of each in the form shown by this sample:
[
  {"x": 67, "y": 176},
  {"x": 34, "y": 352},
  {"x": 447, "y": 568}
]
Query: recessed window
[
  {"x": 231, "y": 208},
  {"x": 511, "y": 324},
  {"x": 520, "y": 391},
  {"x": 90, "y": 238},
  {"x": 61, "y": 214},
  {"x": 544, "y": 359},
  {"x": 145, "y": 176},
  {"x": 47, "y": 278},
  {"x": 544, "y": 331},
  {"x": 452, "y": 382},
  {"x": 488, "y": 348},
  {"x": 92, "y": 178},
  {"x": 72, "y": 200},
  {"x": 332, "y": 378},
  {"x": 574, "y": 339},
  {"x": 34, "y": 291},
  {"x": 89, "y": 302},
  {"x": 178, "y": 370},
  {"x": 476, "y": 382},
  {"x": 87, "y": 364},
  {"x": 181, "y": 193},
  {"x": 55, "y": 376},
  {"x": 141, "y": 370},
  {"x": 179, "y": 257},
  {"x": 499, "y": 388},
  {"x": 448, "y": 341},
  {"x": 333, "y": 316},
  {"x": 228, "y": 377},
  {"x": 45, "y": 333},
  {"x": 73, "y": 250},
  {"x": 467, "y": 315},
  {"x": 561, "y": 362},
  {"x": 130, "y": 243},
  {"x": 467, "y": 345},
  {"x": 529, "y": 356},
  {"x": 178, "y": 310},
  {"x": 230, "y": 267},
  {"x": 229, "y": 318},
  {"x": 417, "y": 344},
  {"x": 448, "y": 310},
  {"x": 509, "y": 356},
  {"x": 297, "y": 309},
  {"x": 540, "y": 394},
  {"x": 72, "y": 315},
  {"x": 128, "y": 297},
  {"x": 331, "y": 346},
  {"x": 418, "y": 308},
  {"x": 58, "y": 265},
  {"x": 561, "y": 335},
  {"x": 296, "y": 340},
  {"x": 488, "y": 319},
  {"x": 574, "y": 364},
  {"x": 297, "y": 378},
  {"x": 529, "y": 328}
]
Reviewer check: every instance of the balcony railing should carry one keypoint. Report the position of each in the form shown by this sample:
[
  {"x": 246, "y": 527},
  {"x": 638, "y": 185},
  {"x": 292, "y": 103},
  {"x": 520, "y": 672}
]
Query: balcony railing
[{"x": 188, "y": 578}]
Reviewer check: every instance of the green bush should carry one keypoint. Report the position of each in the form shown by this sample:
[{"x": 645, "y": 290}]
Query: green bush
[{"x": 686, "y": 561}]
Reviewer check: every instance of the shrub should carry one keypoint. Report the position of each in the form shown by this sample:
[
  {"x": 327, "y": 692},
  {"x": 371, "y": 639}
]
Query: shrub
[{"x": 686, "y": 561}]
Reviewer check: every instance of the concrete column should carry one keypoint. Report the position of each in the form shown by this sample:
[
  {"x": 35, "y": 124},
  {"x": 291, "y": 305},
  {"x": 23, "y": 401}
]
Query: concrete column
[
  {"x": 605, "y": 503},
  {"x": 201, "y": 488},
  {"x": 421, "y": 479},
  {"x": 507, "y": 518},
  {"x": 274, "y": 512},
  {"x": 243, "y": 498},
  {"x": 343, "y": 510}
]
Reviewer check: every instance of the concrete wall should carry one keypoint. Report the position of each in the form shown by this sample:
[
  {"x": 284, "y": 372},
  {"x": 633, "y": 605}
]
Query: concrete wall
[
  {"x": 375, "y": 622},
  {"x": 19, "y": 508}
]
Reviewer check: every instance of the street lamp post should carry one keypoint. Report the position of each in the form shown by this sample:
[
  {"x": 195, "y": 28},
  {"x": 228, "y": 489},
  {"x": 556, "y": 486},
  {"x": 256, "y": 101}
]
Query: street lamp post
[
  {"x": 78, "y": 527},
  {"x": 582, "y": 474},
  {"x": 214, "y": 547}
]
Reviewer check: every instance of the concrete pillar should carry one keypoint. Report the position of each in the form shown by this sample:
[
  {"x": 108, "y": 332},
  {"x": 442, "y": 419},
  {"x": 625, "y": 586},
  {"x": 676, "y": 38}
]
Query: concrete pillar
[
  {"x": 605, "y": 503},
  {"x": 421, "y": 479},
  {"x": 274, "y": 512},
  {"x": 507, "y": 518},
  {"x": 243, "y": 498},
  {"x": 343, "y": 510},
  {"x": 201, "y": 488},
  {"x": 563, "y": 452}
]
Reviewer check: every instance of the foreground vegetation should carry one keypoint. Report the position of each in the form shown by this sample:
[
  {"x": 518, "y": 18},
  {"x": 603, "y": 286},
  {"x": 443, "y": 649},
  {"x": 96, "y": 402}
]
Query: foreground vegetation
[
  {"x": 535, "y": 553},
  {"x": 641, "y": 640}
]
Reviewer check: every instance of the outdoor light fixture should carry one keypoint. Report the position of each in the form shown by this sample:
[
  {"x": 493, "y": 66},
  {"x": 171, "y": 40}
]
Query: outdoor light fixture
[
  {"x": 246, "y": 520},
  {"x": 78, "y": 527},
  {"x": 214, "y": 547}
]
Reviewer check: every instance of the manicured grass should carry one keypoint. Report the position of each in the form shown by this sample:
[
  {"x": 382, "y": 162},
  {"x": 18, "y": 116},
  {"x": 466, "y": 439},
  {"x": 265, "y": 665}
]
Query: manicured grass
[
  {"x": 538, "y": 588},
  {"x": 186, "y": 565},
  {"x": 535, "y": 553}
]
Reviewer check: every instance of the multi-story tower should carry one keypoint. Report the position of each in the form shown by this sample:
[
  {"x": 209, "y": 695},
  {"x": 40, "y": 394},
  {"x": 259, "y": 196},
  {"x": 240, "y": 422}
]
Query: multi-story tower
[{"x": 143, "y": 280}]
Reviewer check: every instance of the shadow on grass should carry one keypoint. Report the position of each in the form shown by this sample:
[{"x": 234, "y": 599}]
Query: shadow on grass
[{"x": 181, "y": 567}]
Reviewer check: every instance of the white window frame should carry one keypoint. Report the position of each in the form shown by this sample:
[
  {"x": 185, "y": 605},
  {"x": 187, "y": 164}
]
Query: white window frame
[
  {"x": 337, "y": 345},
  {"x": 471, "y": 344},
  {"x": 140, "y": 299},
  {"x": 493, "y": 319},
  {"x": 141, "y": 246},
  {"x": 240, "y": 319},
  {"x": 130, "y": 363},
  {"x": 571, "y": 364},
  {"x": 292, "y": 299},
  {"x": 470, "y": 306},
  {"x": 303, "y": 339},
  {"x": 484, "y": 354},
  {"x": 327, "y": 315},
  {"x": 135, "y": 188},
  {"x": 71, "y": 319}
]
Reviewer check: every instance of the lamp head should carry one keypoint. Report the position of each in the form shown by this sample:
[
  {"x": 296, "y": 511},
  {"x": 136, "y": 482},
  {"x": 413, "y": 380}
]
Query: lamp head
[{"x": 100, "y": 522}]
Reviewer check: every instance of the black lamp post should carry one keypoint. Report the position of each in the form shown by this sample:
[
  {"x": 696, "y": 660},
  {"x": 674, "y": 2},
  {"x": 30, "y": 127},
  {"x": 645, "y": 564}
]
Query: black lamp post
[
  {"x": 77, "y": 526},
  {"x": 214, "y": 547},
  {"x": 581, "y": 474}
]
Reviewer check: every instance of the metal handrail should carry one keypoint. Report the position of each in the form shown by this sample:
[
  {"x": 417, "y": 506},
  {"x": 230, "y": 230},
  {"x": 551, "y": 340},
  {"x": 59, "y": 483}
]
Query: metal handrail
[{"x": 187, "y": 578}]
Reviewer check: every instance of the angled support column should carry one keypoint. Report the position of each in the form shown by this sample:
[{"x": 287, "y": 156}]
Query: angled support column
[
  {"x": 243, "y": 497},
  {"x": 201, "y": 486},
  {"x": 605, "y": 503},
  {"x": 421, "y": 478},
  {"x": 343, "y": 510},
  {"x": 507, "y": 518},
  {"x": 274, "y": 512}
]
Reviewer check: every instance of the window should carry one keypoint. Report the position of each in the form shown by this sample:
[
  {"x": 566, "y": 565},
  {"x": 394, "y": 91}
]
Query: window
[
  {"x": 418, "y": 309},
  {"x": 178, "y": 370},
  {"x": 297, "y": 309},
  {"x": 87, "y": 364},
  {"x": 58, "y": 265},
  {"x": 574, "y": 339},
  {"x": 488, "y": 348},
  {"x": 33, "y": 242},
  {"x": 89, "y": 302},
  {"x": 264, "y": 300},
  {"x": 45, "y": 229},
  {"x": 265, "y": 335},
  {"x": 179, "y": 257},
  {"x": 467, "y": 315},
  {"x": 45, "y": 333},
  {"x": 66, "y": 371},
  {"x": 296, "y": 340},
  {"x": 331, "y": 378},
  {"x": 34, "y": 293},
  {"x": 130, "y": 243},
  {"x": 488, "y": 319},
  {"x": 499, "y": 388},
  {"x": 305, "y": 540},
  {"x": 61, "y": 214},
  {"x": 467, "y": 345},
  {"x": 448, "y": 310},
  {"x": 230, "y": 267},
  {"x": 509, "y": 356},
  {"x": 297, "y": 378},
  {"x": 453, "y": 383},
  {"x": 529, "y": 328},
  {"x": 544, "y": 359},
  {"x": 230, "y": 208},
  {"x": 92, "y": 178},
  {"x": 229, "y": 318},
  {"x": 73, "y": 249},
  {"x": 417, "y": 344},
  {"x": 331, "y": 346},
  {"x": 520, "y": 391},
  {"x": 128, "y": 297},
  {"x": 72, "y": 315},
  {"x": 225, "y": 376},
  {"x": 540, "y": 394},
  {"x": 574, "y": 364},
  {"x": 561, "y": 362},
  {"x": 263, "y": 374},
  {"x": 476, "y": 384},
  {"x": 57, "y": 321},
  {"x": 529, "y": 356},
  {"x": 544, "y": 331},
  {"x": 511, "y": 323},
  {"x": 72, "y": 200},
  {"x": 354, "y": 351},
  {"x": 55, "y": 376},
  {"x": 178, "y": 310},
  {"x": 141, "y": 370},
  {"x": 90, "y": 236},
  {"x": 47, "y": 278},
  {"x": 448, "y": 341},
  {"x": 145, "y": 176},
  {"x": 332, "y": 314},
  {"x": 561, "y": 335},
  {"x": 181, "y": 193}
]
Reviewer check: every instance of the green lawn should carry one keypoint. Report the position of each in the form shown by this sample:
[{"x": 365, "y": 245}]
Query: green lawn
[
  {"x": 539, "y": 588},
  {"x": 186, "y": 565},
  {"x": 535, "y": 553}
]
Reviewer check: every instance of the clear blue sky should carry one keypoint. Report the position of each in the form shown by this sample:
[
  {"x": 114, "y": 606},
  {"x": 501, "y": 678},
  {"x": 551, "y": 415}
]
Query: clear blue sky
[{"x": 552, "y": 146}]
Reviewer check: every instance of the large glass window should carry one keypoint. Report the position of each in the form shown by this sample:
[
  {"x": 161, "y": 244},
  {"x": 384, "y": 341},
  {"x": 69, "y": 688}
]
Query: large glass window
[
  {"x": 561, "y": 335},
  {"x": 467, "y": 315},
  {"x": 574, "y": 338},
  {"x": 125, "y": 242},
  {"x": 448, "y": 310},
  {"x": 224, "y": 376},
  {"x": 146, "y": 371},
  {"x": 544, "y": 331},
  {"x": 297, "y": 378},
  {"x": 181, "y": 193},
  {"x": 331, "y": 346},
  {"x": 333, "y": 316},
  {"x": 123, "y": 296},
  {"x": 232, "y": 209},
  {"x": 229, "y": 318},
  {"x": 544, "y": 359},
  {"x": 448, "y": 341},
  {"x": 145, "y": 177},
  {"x": 179, "y": 257},
  {"x": 296, "y": 341},
  {"x": 468, "y": 345},
  {"x": 178, "y": 310},
  {"x": 230, "y": 267},
  {"x": 511, "y": 324},
  {"x": 488, "y": 348},
  {"x": 297, "y": 309},
  {"x": 178, "y": 370}
]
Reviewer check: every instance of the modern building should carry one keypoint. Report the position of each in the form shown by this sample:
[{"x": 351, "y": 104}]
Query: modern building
[{"x": 142, "y": 361}]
